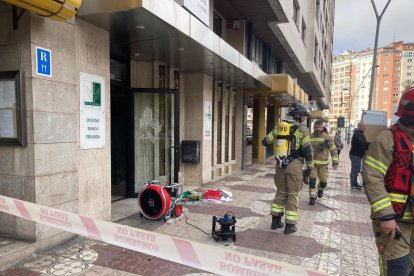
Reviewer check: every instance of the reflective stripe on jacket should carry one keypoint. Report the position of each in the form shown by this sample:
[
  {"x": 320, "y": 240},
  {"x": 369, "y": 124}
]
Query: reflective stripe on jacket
[
  {"x": 377, "y": 162},
  {"x": 398, "y": 176},
  {"x": 321, "y": 156}
]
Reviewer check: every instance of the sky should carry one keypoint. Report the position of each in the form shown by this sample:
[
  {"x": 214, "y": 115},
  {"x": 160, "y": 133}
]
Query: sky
[{"x": 355, "y": 24}]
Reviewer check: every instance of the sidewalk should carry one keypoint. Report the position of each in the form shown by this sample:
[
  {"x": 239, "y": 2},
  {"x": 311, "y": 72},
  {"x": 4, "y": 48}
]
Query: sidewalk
[{"x": 333, "y": 237}]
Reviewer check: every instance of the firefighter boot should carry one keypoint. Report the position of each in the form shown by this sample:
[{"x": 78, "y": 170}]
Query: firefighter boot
[
  {"x": 312, "y": 191},
  {"x": 322, "y": 185},
  {"x": 320, "y": 193},
  {"x": 290, "y": 228},
  {"x": 276, "y": 222}
]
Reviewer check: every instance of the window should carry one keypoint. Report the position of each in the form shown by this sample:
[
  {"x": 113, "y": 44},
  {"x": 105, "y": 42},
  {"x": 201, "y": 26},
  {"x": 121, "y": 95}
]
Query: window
[
  {"x": 13, "y": 115},
  {"x": 409, "y": 67},
  {"x": 296, "y": 11},
  {"x": 385, "y": 82},
  {"x": 386, "y": 68},
  {"x": 397, "y": 68},
  {"x": 386, "y": 54},
  {"x": 385, "y": 75},
  {"x": 315, "y": 53},
  {"x": 386, "y": 61},
  {"x": 318, "y": 6},
  {"x": 409, "y": 74},
  {"x": 217, "y": 25},
  {"x": 396, "y": 75},
  {"x": 396, "y": 88},
  {"x": 303, "y": 31},
  {"x": 410, "y": 60},
  {"x": 385, "y": 89},
  {"x": 394, "y": 102},
  {"x": 384, "y": 102},
  {"x": 398, "y": 61}
]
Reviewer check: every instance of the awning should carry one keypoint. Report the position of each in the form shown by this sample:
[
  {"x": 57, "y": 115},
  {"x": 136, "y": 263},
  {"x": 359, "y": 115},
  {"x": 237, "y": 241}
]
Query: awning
[
  {"x": 148, "y": 31},
  {"x": 59, "y": 10},
  {"x": 319, "y": 115},
  {"x": 284, "y": 89}
]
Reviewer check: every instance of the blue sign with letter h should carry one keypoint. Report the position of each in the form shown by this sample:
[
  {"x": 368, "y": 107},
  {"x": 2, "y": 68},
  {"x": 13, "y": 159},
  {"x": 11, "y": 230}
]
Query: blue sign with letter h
[{"x": 43, "y": 62}]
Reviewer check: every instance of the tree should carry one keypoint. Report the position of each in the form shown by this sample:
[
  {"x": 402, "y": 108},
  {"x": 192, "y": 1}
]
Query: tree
[{"x": 407, "y": 84}]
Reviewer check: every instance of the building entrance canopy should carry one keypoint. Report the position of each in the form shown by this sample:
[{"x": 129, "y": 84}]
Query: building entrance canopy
[
  {"x": 56, "y": 10},
  {"x": 166, "y": 32},
  {"x": 284, "y": 90}
]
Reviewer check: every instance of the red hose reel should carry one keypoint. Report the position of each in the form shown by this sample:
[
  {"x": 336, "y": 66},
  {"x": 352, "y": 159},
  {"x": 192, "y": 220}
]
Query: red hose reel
[{"x": 154, "y": 201}]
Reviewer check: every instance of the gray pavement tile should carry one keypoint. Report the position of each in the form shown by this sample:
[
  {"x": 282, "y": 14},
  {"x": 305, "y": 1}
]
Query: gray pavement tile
[
  {"x": 17, "y": 271},
  {"x": 334, "y": 236}
]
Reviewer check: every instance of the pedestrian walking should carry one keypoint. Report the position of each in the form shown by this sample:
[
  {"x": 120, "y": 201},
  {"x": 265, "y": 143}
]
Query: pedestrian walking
[
  {"x": 388, "y": 180},
  {"x": 338, "y": 141},
  {"x": 293, "y": 149},
  {"x": 322, "y": 146},
  {"x": 359, "y": 146}
]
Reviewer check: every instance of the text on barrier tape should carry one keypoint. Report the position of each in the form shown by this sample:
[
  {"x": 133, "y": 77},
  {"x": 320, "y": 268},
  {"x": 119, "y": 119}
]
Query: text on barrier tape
[{"x": 190, "y": 253}]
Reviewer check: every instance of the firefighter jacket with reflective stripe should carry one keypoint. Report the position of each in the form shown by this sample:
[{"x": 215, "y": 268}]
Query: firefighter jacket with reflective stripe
[
  {"x": 398, "y": 176},
  {"x": 300, "y": 140},
  {"x": 376, "y": 164},
  {"x": 322, "y": 146}
]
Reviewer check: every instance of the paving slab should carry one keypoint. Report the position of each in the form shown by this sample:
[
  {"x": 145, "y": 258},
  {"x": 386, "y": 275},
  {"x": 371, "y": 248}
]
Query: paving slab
[{"x": 334, "y": 236}]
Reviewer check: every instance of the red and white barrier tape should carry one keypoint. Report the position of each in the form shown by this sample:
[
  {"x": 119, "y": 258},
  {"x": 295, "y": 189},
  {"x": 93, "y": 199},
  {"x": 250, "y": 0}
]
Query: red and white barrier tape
[{"x": 194, "y": 254}]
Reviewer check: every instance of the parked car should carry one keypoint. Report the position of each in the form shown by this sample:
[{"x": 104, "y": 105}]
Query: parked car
[{"x": 249, "y": 136}]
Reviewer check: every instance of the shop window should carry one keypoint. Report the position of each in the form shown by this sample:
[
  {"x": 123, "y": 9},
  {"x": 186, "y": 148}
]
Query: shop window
[
  {"x": 176, "y": 80},
  {"x": 161, "y": 76},
  {"x": 12, "y": 118}
]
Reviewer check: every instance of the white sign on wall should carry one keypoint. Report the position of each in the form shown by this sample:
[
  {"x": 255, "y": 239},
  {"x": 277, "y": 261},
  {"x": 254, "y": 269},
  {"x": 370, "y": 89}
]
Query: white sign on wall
[
  {"x": 200, "y": 8},
  {"x": 208, "y": 118},
  {"x": 312, "y": 104},
  {"x": 92, "y": 111}
]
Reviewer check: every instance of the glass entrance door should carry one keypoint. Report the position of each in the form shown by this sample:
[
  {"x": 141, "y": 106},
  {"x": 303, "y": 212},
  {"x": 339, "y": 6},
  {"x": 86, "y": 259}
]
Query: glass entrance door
[{"x": 155, "y": 136}]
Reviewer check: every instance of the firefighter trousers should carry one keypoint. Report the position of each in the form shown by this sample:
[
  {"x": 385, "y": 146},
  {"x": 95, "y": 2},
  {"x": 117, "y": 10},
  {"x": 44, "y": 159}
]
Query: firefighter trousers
[
  {"x": 396, "y": 256},
  {"x": 288, "y": 183},
  {"x": 321, "y": 173}
]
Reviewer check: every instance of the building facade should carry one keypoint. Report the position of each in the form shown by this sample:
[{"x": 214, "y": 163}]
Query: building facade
[
  {"x": 394, "y": 75},
  {"x": 129, "y": 91},
  {"x": 341, "y": 86}
]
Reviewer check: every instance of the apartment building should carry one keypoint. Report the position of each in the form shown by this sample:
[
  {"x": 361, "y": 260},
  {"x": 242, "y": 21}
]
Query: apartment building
[
  {"x": 407, "y": 66},
  {"x": 342, "y": 87},
  {"x": 394, "y": 74},
  {"x": 361, "y": 80},
  {"x": 387, "y": 89},
  {"x": 111, "y": 94}
]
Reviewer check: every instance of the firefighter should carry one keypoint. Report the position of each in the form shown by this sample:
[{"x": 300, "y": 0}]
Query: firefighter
[
  {"x": 288, "y": 177},
  {"x": 322, "y": 146},
  {"x": 388, "y": 182}
]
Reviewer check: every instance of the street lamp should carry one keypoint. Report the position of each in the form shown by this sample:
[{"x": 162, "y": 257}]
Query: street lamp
[
  {"x": 351, "y": 101},
  {"x": 374, "y": 59},
  {"x": 348, "y": 133}
]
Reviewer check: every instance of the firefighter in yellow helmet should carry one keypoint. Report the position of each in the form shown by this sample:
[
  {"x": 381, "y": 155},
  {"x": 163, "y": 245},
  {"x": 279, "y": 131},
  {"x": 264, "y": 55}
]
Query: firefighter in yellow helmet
[
  {"x": 322, "y": 145},
  {"x": 389, "y": 185},
  {"x": 293, "y": 148}
]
